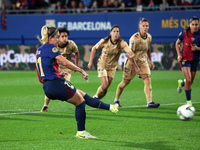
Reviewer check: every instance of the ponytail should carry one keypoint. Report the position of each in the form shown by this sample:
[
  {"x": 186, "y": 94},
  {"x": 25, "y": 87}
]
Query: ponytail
[{"x": 46, "y": 32}]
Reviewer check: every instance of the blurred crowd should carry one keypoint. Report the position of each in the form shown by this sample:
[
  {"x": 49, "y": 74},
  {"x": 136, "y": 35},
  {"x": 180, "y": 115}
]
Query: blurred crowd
[{"x": 85, "y": 6}]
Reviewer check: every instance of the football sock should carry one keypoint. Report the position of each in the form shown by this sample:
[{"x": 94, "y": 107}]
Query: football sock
[
  {"x": 148, "y": 102},
  {"x": 81, "y": 132},
  {"x": 93, "y": 102},
  {"x": 101, "y": 93},
  {"x": 188, "y": 94},
  {"x": 111, "y": 106},
  {"x": 183, "y": 83},
  {"x": 148, "y": 88},
  {"x": 80, "y": 116},
  {"x": 116, "y": 100}
]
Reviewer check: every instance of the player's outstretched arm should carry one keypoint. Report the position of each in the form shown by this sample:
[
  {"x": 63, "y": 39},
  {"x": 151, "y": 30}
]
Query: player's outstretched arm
[
  {"x": 71, "y": 66},
  {"x": 91, "y": 57}
]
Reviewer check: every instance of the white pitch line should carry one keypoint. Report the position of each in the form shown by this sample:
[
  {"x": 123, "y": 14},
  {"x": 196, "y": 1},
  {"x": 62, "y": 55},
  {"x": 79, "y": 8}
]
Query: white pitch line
[{"x": 34, "y": 112}]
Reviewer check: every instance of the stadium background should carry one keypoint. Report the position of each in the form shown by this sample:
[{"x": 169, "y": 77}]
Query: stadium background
[{"x": 18, "y": 41}]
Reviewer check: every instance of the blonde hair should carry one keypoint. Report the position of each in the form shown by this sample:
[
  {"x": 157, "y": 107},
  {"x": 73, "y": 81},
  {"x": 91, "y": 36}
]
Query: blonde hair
[
  {"x": 143, "y": 20},
  {"x": 46, "y": 32}
]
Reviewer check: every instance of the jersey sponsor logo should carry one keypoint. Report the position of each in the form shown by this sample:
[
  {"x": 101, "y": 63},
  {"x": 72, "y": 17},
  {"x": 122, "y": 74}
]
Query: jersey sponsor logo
[
  {"x": 54, "y": 50},
  {"x": 192, "y": 39}
]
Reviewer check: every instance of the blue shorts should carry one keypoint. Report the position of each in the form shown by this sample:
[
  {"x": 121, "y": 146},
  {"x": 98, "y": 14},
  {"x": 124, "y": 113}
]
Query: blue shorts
[
  {"x": 192, "y": 64},
  {"x": 59, "y": 89}
]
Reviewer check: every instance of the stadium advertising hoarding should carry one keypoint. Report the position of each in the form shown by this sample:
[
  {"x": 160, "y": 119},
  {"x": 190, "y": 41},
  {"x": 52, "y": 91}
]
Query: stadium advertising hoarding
[
  {"x": 18, "y": 42},
  {"x": 89, "y": 28},
  {"x": 22, "y": 57}
]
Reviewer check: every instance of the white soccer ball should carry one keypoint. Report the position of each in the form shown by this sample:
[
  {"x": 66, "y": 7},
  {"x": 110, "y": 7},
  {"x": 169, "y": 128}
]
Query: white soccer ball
[{"x": 186, "y": 112}]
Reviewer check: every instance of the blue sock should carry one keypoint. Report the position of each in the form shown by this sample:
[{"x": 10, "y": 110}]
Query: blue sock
[
  {"x": 93, "y": 102},
  {"x": 80, "y": 116},
  {"x": 188, "y": 94},
  {"x": 183, "y": 83}
]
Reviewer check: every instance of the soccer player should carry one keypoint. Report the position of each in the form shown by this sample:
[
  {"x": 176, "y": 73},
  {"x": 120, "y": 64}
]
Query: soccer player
[
  {"x": 139, "y": 43},
  {"x": 56, "y": 87},
  {"x": 112, "y": 47},
  {"x": 189, "y": 56},
  {"x": 66, "y": 48}
]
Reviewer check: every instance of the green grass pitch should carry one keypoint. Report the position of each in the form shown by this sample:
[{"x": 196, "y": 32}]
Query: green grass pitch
[{"x": 24, "y": 127}]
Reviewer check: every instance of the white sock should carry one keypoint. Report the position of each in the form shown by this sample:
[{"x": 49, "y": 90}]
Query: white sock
[
  {"x": 81, "y": 132},
  {"x": 95, "y": 96},
  {"x": 148, "y": 102},
  {"x": 116, "y": 100},
  {"x": 111, "y": 106}
]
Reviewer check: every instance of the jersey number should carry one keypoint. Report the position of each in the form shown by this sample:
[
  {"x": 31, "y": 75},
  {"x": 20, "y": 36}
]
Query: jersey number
[{"x": 39, "y": 61}]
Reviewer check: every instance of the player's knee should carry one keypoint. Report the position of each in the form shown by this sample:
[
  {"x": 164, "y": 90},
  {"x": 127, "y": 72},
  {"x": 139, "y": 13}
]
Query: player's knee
[
  {"x": 105, "y": 86},
  {"x": 188, "y": 81},
  {"x": 144, "y": 76}
]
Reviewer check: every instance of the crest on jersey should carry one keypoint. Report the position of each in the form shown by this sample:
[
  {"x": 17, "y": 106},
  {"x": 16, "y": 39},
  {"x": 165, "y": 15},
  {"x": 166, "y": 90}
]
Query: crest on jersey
[
  {"x": 54, "y": 49},
  {"x": 132, "y": 42},
  {"x": 192, "y": 39}
]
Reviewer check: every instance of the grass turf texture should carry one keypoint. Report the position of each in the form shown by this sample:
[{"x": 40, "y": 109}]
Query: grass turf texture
[{"x": 23, "y": 126}]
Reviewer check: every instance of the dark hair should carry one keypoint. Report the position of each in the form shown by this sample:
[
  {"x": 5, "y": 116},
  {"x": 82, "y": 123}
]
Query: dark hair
[
  {"x": 114, "y": 26},
  {"x": 63, "y": 29},
  {"x": 143, "y": 20},
  {"x": 109, "y": 37},
  {"x": 188, "y": 28},
  {"x": 193, "y": 18}
]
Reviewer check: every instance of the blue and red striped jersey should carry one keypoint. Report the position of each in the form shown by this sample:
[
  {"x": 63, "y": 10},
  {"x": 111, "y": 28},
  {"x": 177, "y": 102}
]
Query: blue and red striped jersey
[
  {"x": 188, "y": 40},
  {"x": 46, "y": 64}
]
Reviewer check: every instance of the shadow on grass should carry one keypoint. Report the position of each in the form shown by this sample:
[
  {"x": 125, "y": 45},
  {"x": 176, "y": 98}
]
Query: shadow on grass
[
  {"x": 144, "y": 113},
  {"x": 156, "y": 145}
]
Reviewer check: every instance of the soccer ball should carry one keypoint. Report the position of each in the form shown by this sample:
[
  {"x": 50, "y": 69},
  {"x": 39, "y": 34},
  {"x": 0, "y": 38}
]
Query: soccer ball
[{"x": 186, "y": 112}]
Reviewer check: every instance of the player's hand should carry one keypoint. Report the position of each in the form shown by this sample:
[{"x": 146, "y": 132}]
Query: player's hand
[
  {"x": 179, "y": 58},
  {"x": 137, "y": 70},
  {"x": 62, "y": 74},
  {"x": 151, "y": 64},
  {"x": 130, "y": 56},
  {"x": 89, "y": 66},
  {"x": 85, "y": 75}
]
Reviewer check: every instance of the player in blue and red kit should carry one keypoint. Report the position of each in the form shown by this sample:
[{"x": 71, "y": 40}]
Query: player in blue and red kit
[
  {"x": 57, "y": 88},
  {"x": 189, "y": 56}
]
